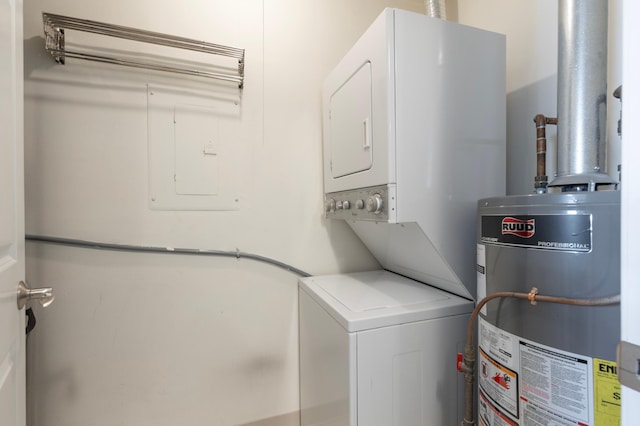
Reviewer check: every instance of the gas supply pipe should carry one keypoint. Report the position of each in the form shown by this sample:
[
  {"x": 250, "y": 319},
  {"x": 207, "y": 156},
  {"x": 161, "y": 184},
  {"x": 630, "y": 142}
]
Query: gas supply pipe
[{"x": 541, "y": 180}]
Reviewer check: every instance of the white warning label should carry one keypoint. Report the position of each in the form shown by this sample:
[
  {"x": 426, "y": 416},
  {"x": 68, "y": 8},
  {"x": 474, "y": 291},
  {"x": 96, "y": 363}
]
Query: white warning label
[
  {"x": 499, "y": 344},
  {"x": 498, "y": 383},
  {"x": 489, "y": 415},
  {"x": 522, "y": 382},
  {"x": 555, "y": 382}
]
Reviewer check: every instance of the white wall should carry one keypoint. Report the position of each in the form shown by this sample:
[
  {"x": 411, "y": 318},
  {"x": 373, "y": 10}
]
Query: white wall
[{"x": 143, "y": 339}]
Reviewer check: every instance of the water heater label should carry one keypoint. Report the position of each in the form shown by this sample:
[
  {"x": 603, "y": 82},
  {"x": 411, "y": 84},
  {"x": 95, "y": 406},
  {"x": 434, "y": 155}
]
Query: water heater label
[
  {"x": 565, "y": 232},
  {"x": 552, "y": 387},
  {"x": 499, "y": 384},
  {"x": 481, "y": 275},
  {"x": 608, "y": 392}
]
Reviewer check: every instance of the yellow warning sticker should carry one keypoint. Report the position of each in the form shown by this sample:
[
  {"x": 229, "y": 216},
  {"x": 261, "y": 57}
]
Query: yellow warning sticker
[{"x": 607, "y": 393}]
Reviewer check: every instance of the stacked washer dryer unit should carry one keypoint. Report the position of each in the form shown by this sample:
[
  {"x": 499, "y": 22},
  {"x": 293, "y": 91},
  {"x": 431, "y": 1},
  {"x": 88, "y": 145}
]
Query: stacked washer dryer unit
[
  {"x": 414, "y": 135},
  {"x": 552, "y": 364}
]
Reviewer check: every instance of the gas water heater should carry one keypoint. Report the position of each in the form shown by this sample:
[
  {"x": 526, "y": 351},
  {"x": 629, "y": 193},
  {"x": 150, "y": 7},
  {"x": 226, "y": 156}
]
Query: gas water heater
[{"x": 553, "y": 364}]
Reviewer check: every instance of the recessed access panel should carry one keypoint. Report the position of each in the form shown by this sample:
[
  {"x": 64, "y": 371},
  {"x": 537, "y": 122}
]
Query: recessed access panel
[
  {"x": 195, "y": 147},
  {"x": 351, "y": 129}
]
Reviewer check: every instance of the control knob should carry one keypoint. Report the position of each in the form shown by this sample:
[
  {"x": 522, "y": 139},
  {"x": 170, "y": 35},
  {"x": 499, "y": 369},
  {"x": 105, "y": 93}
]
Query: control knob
[
  {"x": 330, "y": 205},
  {"x": 374, "y": 204}
]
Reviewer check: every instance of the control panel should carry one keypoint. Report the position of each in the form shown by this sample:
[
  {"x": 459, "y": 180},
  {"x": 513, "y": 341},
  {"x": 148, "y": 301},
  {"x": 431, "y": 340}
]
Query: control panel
[{"x": 363, "y": 204}]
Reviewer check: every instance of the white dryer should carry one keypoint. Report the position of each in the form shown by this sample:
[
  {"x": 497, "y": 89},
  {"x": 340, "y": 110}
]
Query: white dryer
[
  {"x": 378, "y": 349},
  {"x": 414, "y": 135}
]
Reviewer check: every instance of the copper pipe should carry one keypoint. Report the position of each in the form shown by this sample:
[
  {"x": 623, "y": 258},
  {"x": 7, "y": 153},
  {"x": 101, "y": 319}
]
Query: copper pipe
[
  {"x": 542, "y": 180},
  {"x": 469, "y": 359}
]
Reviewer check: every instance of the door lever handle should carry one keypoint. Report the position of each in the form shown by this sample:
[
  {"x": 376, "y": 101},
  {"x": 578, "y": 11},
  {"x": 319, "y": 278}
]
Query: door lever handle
[{"x": 43, "y": 295}]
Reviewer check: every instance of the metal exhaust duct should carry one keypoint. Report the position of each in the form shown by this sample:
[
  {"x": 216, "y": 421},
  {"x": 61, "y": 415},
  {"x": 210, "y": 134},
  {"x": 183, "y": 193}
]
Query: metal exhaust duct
[
  {"x": 582, "y": 95},
  {"x": 436, "y": 9}
]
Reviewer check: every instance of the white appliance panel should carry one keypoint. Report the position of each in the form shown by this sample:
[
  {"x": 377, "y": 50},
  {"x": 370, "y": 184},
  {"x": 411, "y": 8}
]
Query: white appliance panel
[
  {"x": 327, "y": 385},
  {"x": 407, "y": 373},
  {"x": 379, "y": 293},
  {"x": 373, "y": 299},
  {"x": 372, "y": 49},
  {"x": 351, "y": 136},
  {"x": 378, "y": 349},
  {"x": 404, "y": 248}
]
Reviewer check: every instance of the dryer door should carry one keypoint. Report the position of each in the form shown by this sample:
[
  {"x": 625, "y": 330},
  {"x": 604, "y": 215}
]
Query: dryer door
[{"x": 351, "y": 127}]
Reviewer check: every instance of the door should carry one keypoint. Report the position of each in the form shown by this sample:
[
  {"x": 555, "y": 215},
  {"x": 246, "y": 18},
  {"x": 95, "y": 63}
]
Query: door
[
  {"x": 12, "y": 334},
  {"x": 350, "y": 116}
]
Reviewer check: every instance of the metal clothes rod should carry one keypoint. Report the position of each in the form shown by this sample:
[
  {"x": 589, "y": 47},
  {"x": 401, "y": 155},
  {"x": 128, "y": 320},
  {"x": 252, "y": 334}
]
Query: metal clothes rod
[{"x": 55, "y": 26}]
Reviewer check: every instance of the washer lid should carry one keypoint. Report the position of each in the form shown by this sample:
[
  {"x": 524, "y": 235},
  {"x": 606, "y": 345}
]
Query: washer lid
[{"x": 367, "y": 300}]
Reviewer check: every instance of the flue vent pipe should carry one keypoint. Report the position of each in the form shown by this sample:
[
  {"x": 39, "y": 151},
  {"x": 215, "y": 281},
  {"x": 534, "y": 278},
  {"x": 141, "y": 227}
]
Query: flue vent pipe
[
  {"x": 582, "y": 88},
  {"x": 436, "y": 9}
]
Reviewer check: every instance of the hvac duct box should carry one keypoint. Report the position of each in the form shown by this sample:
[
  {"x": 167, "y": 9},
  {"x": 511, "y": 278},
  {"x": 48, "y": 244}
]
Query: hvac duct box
[{"x": 414, "y": 135}]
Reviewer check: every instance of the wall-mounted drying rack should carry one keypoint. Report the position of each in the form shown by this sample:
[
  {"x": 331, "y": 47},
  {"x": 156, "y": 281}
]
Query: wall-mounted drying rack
[{"x": 56, "y": 25}]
